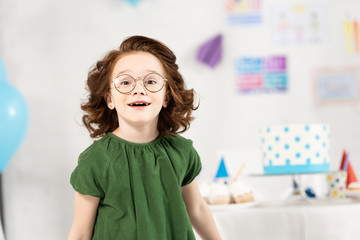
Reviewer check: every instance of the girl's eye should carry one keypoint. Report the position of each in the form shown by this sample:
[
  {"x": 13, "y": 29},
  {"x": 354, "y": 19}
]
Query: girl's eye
[
  {"x": 125, "y": 83},
  {"x": 150, "y": 82}
]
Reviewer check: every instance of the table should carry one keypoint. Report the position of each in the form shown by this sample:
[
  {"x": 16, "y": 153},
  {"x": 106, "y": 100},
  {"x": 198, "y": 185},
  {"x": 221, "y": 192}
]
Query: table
[{"x": 304, "y": 220}]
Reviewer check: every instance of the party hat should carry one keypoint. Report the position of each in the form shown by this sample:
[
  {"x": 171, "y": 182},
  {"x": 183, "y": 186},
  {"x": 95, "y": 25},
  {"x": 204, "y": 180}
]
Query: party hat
[
  {"x": 222, "y": 172},
  {"x": 346, "y": 166},
  {"x": 351, "y": 176}
]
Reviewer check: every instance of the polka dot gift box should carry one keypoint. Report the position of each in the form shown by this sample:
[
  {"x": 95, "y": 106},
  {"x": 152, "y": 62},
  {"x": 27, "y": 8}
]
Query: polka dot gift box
[{"x": 297, "y": 148}]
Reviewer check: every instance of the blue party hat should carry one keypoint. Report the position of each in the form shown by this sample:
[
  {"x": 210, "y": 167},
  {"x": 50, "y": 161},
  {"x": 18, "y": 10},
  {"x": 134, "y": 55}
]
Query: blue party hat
[{"x": 222, "y": 172}]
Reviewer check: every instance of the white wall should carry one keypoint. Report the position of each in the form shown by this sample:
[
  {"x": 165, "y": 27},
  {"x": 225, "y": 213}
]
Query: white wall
[{"x": 48, "y": 47}]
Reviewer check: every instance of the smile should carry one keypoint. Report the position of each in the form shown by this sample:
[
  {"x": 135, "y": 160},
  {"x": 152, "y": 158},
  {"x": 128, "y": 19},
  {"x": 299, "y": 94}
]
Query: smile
[{"x": 139, "y": 104}]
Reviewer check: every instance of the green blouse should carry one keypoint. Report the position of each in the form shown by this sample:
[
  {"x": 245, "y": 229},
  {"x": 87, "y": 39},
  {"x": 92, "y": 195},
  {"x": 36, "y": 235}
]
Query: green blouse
[{"x": 139, "y": 186}]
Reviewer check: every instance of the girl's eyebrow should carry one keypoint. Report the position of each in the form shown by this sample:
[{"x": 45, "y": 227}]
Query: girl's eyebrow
[
  {"x": 121, "y": 72},
  {"x": 128, "y": 70}
]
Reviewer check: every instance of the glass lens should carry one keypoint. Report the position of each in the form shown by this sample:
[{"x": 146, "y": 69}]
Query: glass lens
[
  {"x": 153, "y": 82},
  {"x": 124, "y": 83}
]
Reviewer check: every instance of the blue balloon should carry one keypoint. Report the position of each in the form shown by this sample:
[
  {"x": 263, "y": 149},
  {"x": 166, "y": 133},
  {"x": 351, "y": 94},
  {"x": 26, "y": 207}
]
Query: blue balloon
[
  {"x": 3, "y": 77},
  {"x": 14, "y": 118},
  {"x": 133, "y": 2}
]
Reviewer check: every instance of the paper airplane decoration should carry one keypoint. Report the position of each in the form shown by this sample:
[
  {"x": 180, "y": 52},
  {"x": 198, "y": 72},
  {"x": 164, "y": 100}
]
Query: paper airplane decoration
[
  {"x": 210, "y": 53},
  {"x": 133, "y": 2},
  {"x": 346, "y": 166},
  {"x": 222, "y": 172}
]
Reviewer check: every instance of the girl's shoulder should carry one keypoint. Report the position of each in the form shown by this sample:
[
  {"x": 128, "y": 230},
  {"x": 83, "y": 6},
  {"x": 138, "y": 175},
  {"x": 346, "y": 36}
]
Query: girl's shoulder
[
  {"x": 100, "y": 150},
  {"x": 180, "y": 144},
  {"x": 178, "y": 140}
]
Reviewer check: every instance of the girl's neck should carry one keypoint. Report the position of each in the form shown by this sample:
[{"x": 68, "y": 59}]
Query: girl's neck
[{"x": 137, "y": 135}]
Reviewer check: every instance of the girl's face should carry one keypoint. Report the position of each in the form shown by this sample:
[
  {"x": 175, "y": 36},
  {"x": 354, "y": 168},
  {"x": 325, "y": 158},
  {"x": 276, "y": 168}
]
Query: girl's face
[{"x": 140, "y": 107}]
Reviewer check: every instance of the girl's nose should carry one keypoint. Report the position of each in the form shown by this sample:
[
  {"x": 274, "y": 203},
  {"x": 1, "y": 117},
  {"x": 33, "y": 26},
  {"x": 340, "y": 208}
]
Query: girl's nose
[{"x": 139, "y": 87}]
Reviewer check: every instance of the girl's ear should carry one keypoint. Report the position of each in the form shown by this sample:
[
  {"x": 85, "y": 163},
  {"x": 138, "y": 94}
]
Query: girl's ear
[
  {"x": 109, "y": 101},
  {"x": 166, "y": 100}
]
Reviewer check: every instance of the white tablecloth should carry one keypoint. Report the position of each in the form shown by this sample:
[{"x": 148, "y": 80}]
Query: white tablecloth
[{"x": 302, "y": 221}]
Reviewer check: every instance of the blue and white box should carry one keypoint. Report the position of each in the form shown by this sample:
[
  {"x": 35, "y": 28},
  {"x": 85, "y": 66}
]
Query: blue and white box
[{"x": 295, "y": 148}]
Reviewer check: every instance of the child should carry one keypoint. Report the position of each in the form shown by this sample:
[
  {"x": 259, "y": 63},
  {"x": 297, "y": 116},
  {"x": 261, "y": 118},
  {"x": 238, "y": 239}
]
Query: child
[{"x": 138, "y": 180}]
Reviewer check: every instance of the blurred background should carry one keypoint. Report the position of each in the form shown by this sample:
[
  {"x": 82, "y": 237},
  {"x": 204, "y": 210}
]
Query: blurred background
[{"x": 48, "y": 46}]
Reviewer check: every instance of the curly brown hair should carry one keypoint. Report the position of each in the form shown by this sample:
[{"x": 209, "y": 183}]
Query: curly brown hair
[{"x": 174, "y": 119}]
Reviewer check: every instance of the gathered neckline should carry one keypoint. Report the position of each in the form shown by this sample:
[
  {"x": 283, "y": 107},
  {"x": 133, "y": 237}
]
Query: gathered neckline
[{"x": 121, "y": 140}]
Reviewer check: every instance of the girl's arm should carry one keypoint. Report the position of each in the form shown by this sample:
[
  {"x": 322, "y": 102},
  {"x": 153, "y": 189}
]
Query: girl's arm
[
  {"x": 199, "y": 213},
  {"x": 85, "y": 210}
]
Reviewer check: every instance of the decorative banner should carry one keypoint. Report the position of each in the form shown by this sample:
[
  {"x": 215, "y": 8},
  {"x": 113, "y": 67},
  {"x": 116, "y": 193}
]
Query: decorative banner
[
  {"x": 256, "y": 74},
  {"x": 296, "y": 24},
  {"x": 210, "y": 53},
  {"x": 337, "y": 85},
  {"x": 352, "y": 38},
  {"x": 243, "y": 11}
]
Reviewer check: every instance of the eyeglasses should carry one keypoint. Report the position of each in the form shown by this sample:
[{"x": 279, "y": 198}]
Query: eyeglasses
[{"x": 125, "y": 83}]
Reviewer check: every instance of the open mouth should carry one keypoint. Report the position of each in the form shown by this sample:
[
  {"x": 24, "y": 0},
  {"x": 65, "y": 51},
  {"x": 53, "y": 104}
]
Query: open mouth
[{"x": 139, "y": 104}]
